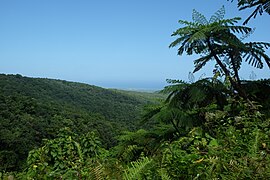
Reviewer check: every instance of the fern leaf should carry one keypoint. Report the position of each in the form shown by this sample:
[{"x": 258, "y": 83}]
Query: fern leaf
[
  {"x": 163, "y": 174},
  {"x": 135, "y": 171},
  {"x": 199, "y": 18},
  {"x": 219, "y": 15},
  {"x": 98, "y": 172},
  {"x": 199, "y": 63},
  {"x": 231, "y": 21}
]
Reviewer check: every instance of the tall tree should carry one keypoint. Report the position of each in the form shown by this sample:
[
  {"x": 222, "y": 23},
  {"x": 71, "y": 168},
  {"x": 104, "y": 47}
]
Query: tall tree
[{"x": 217, "y": 40}]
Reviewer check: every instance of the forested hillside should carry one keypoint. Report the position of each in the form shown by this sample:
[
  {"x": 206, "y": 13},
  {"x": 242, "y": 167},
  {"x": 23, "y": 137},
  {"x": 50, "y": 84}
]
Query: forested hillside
[{"x": 32, "y": 109}]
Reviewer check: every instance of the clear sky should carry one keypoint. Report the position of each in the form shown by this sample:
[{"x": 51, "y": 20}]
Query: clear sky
[{"x": 119, "y": 44}]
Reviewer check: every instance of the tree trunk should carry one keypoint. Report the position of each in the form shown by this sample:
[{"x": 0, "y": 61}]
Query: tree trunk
[{"x": 236, "y": 84}]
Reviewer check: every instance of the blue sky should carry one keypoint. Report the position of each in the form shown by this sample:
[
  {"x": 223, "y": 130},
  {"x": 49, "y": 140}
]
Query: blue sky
[{"x": 119, "y": 44}]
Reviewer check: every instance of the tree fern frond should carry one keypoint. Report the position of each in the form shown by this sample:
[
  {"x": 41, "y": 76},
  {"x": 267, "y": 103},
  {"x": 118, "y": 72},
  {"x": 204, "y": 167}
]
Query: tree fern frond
[
  {"x": 254, "y": 59},
  {"x": 130, "y": 151},
  {"x": 175, "y": 81},
  {"x": 254, "y": 53},
  {"x": 199, "y": 35},
  {"x": 197, "y": 95},
  {"x": 231, "y": 21},
  {"x": 188, "y": 23},
  {"x": 164, "y": 175},
  {"x": 199, "y": 18},
  {"x": 261, "y": 6},
  {"x": 240, "y": 29},
  {"x": 183, "y": 31},
  {"x": 199, "y": 63},
  {"x": 259, "y": 44},
  {"x": 179, "y": 41},
  {"x": 219, "y": 15},
  {"x": 135, "y": 171},
  {"x": 98, "y": 172},
  {"x": 244, "y": 36},
  {"x": 151, "y": 111},
  {"x": 266, "y": 7},
  {"x": 130, "y": 136},
  {"x": 266, "y": 59}
]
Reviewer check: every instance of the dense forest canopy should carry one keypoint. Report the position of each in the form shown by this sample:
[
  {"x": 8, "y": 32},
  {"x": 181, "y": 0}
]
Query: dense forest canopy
[{"x": 33, "y": 109}]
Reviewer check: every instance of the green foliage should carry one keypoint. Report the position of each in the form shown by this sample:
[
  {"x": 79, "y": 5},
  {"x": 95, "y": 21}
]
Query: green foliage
[
  {"x": 32, "y": 109},
  {"x": 238, "y": 150},
  {"x": 139, "y": 169},
  {"x": 66, "y": 156},
  {"x": 203, "y": 130},
  {"x": 217, "y": 39},
  {"x": 259, "y": 5}
]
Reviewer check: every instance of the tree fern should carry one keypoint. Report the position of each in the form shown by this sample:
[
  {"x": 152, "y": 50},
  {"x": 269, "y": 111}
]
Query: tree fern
[{"x": 218, "y": 40}]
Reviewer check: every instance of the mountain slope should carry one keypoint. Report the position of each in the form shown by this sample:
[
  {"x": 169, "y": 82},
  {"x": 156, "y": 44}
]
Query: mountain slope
[
  {"x": 32, "y": 109},
  {"x": 112, "y": 105}
]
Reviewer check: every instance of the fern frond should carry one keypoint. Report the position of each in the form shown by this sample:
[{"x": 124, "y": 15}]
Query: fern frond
[
  {"x": 231, "y": 21},
  {"x": 135, "y": 171},
  {"x": 199, "y": 18},
  {"x": 164, "y": 175},
  {"x": 219, "y": 15},
  {"x": 262, "y": 6},
  {"x": 175, "y": 81},
  {"x": 259, "y": 45},
  {"x": 188, "y": 23},
  {"x": 254, "y": 53},
  {"x": 179, "y": 41},
  {"x": 253, "y": 59},
  {"x": 98, "y": 172},
  {"x": 199, "y": 63},
  {"x": 240, "y": 29},
  {"x": 183, "y": 31},
  {"x": 150, "y": 112},
  {"x": 199, "y": 35}
]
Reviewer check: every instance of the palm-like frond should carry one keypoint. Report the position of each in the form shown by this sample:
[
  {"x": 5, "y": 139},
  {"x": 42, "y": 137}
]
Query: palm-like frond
[
  {"x": 240, "y": 29},
  {"x": 254, "y": 54},
  {"x": 260, "y": 7},
  {"x": 228, "y": 22},
  {"x": 151, "y": 111},
  {"x": 137, "y": 168},
  {"x": 192, "y": 37},
  {"x": 199, "y": 18},
  {"x": 199, "y": 63},
  {"x": 200, "y": 93},
  {"x": 219, "y": 15}
]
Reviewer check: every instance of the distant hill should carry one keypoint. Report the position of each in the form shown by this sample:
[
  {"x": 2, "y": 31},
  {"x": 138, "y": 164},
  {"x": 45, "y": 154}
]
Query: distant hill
[{"x": 32, "y": 109}]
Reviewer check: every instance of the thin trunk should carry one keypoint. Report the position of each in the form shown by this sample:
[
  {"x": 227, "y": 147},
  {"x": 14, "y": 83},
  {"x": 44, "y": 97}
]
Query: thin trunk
[
  {"x": 235, "y": 84},
  {"x": 236, "y": 75},
  {"x": 175, "y": 127}
]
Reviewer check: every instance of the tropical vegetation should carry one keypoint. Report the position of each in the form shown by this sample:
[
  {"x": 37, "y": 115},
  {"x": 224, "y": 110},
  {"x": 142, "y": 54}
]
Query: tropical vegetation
[{"x": 213, "y": 128}]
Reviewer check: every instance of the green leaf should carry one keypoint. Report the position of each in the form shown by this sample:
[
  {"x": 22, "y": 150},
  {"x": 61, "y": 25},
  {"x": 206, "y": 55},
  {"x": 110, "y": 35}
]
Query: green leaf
[{"x": 213, "y": 143}]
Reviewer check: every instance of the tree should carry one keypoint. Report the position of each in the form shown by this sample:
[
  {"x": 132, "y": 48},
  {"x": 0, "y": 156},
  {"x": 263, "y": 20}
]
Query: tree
[
  {"x": 186, "y": 105},
  {"x": 217, "y": 40},
  {"x": 260, "y": 7}
]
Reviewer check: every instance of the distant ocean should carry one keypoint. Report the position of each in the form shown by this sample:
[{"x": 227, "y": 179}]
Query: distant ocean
[{"x": 132, "y": 86}]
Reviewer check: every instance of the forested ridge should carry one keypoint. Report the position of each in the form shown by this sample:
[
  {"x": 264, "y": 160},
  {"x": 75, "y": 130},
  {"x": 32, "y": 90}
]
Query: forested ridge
[{"x": 33, "y": 109}]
